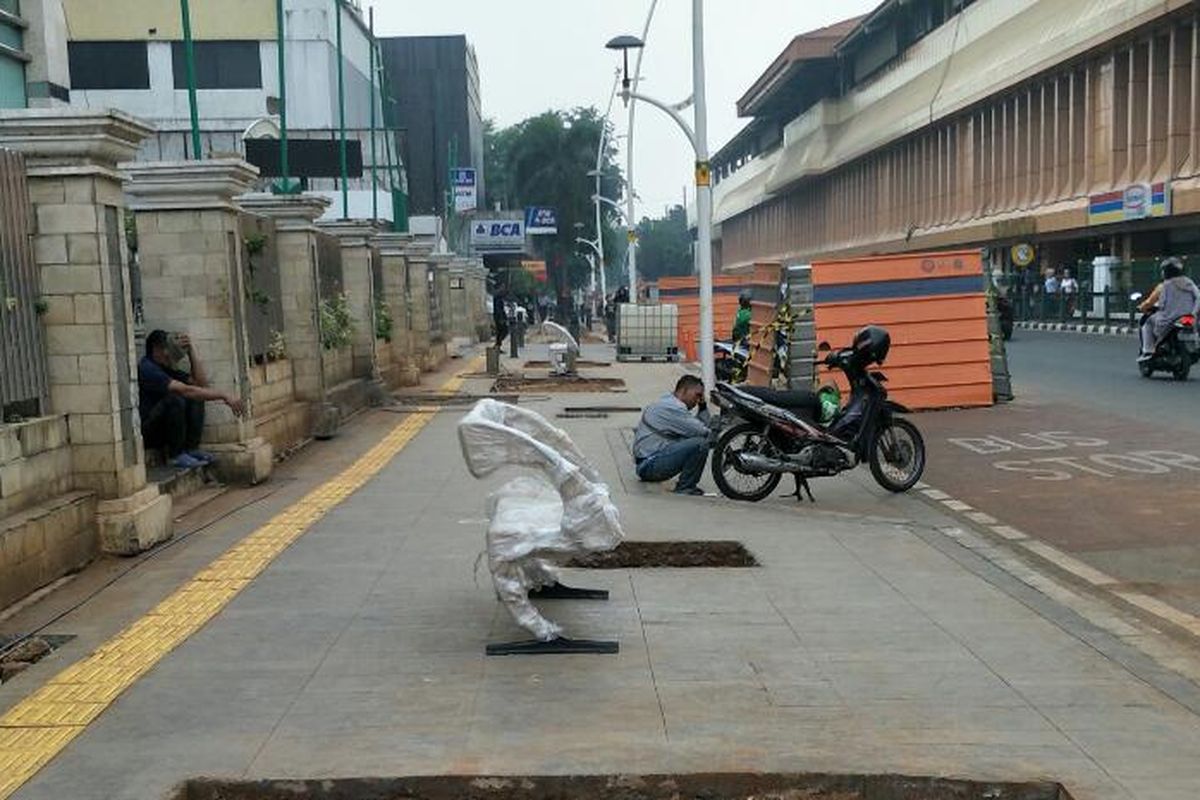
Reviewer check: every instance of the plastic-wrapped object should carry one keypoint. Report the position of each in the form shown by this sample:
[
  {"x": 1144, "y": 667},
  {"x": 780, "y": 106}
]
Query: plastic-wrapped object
[{"x": 537, "y": 520}]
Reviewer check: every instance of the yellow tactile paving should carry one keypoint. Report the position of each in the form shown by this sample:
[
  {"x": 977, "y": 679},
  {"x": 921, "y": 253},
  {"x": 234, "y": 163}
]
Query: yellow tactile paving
[{"x": 37, "y": 729}]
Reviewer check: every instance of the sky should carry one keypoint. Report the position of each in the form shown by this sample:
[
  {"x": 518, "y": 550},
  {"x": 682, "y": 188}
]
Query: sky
[{"x": 536, "y": 55}]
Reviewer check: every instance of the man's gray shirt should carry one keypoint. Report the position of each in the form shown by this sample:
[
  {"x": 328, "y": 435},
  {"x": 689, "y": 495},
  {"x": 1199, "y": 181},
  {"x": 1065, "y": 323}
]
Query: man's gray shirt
[{"x": 664, "y": 421}]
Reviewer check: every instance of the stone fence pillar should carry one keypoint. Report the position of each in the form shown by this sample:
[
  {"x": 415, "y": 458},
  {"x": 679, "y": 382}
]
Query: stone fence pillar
[
  {"x": 355, "y": 237},
  {"x": 81, "y": 255},
  {"x": 296, "y": 244},
  {"x": 393, "y": 251},
  {"x": 193, "y": 280},
  {"x": 417, "y": 266}
]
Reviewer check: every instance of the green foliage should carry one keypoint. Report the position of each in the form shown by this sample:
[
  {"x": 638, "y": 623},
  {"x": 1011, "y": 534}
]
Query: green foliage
[
  {"x": 544, "y": 161},
  {"x": 383, "y": 320},
  {"x": 41, "y": 306},
  {"x": 277, "y": 347},
  {"x": 665, "y": 245},
  {"x": 336, "y": 324},
  {"x": 131, "y": 234},
  {"x": 255, "y": 242}
]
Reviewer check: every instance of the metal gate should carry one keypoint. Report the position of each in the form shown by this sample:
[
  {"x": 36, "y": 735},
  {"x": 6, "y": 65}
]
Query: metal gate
[{"x": 23, "y": 385}]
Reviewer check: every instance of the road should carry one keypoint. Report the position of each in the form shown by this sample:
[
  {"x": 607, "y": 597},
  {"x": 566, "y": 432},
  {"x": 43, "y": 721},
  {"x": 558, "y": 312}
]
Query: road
[
  {"x": 1091, "y": 458},
  {"x": 1099, "y": 372}
]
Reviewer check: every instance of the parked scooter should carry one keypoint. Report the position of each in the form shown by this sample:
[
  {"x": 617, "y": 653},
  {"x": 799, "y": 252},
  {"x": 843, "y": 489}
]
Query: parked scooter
[
  {"x": 729, "y": 360},
  {"x": 1177, "y": 351},
  {"x": 774, "y": 433}
]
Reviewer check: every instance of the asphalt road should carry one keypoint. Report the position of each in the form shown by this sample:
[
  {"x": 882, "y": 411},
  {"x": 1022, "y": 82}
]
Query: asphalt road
[
  {"x": 1100, "y": 373},
  {"x": 1090, "y": 458}
]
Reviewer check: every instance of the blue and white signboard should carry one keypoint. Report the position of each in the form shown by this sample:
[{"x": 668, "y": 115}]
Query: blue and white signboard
[
  {"x": 466, "y": 196},
  {"x": 498, "y": 236},
  {"x": 540, "y": 221}
]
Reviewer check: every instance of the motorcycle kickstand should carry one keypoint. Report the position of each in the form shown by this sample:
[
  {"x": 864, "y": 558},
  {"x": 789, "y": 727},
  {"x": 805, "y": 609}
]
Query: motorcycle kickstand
[{"x": 802, "y": 484}]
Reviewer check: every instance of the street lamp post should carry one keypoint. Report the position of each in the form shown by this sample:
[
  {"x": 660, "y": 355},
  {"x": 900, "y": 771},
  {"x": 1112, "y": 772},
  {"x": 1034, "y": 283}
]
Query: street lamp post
[
  {"x": 630, "y": 213},
  {"x": 698, "y": 136}
]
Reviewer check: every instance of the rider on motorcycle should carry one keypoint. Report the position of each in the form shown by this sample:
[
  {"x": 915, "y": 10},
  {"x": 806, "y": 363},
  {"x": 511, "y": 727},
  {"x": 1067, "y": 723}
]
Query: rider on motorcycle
[
  {"x": 741, "y": 324},
  {"x": 1175, "y": 297}
]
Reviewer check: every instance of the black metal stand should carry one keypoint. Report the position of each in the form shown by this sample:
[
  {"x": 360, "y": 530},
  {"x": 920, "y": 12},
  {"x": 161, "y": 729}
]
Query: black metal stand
[
  {"x": 559, "y": 646},
  {"x": 802, "y": 486},
  {"x": 557, "y": 591}
]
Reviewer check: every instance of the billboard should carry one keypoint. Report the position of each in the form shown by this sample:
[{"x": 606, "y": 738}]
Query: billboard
[
  {"x": 466, "y": 195},
  {"x": 541, "y": 221},
  {"x": 498, "y": 235}
]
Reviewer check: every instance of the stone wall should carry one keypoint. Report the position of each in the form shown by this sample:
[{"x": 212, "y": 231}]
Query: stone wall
[{"x": 278, "y": 418}]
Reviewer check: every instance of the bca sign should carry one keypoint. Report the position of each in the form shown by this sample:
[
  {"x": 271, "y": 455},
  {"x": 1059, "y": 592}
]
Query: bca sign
[{"x": 498, "y": 235}]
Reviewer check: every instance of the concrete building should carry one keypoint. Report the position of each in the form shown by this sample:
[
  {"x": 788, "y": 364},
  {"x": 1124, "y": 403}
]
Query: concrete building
[
  {"x": 435, "y": 80},
  {"x": 1069, "y": 125},
  {"x": 129, "y": 55}
]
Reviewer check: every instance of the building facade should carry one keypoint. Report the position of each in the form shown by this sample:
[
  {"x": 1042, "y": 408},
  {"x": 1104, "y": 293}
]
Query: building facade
[
  {"x": 436, "y": 83},
  {"x": 129, "y": 55},
  {"x": 1069, "y": 125}
]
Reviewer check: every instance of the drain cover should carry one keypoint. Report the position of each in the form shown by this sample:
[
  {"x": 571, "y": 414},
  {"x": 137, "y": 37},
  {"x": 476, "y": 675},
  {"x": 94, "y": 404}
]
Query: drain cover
[
  {"x": 695, "y": 554},
  {"x": 733, "y": 786}
]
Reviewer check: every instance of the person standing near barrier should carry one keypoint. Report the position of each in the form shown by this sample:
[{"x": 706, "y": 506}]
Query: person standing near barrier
[{"x": 499, "y": 316}]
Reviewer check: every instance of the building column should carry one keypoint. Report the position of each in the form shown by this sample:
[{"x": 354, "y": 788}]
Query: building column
[
  {"x": 193, "y": 280},
  {"x": 441, "y": 329},
  {"x": 393, "y": 252},
  {"x": 296, "y": 244},
  {"x": 80, "y": 251},
  {"x": 358, "y": 282}
]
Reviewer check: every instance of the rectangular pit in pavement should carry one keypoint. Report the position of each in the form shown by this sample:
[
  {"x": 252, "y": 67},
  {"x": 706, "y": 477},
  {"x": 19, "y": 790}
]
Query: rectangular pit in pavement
[
  {"x": 680, "y": 555},
  {"x": 729, "y": 786}
]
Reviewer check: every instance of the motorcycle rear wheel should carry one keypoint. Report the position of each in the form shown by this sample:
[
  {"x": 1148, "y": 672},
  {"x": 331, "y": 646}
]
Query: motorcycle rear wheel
[
  {"x": 1185, "y": 367},
  {"x": 1145, "y": 368},
  {"x": 897, "y": 455},
  {"x": 728, "y": 477}
]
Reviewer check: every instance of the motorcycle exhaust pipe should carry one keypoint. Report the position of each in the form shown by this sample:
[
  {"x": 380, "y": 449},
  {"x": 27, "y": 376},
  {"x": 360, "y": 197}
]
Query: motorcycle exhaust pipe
[{"x": 754, "y": 462}]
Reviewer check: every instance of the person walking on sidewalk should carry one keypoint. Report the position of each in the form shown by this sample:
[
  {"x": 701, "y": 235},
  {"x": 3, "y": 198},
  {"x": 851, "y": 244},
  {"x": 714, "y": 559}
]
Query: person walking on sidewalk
[
  {"x": 171, "y": 402},
  {"x": 671, "y": 440}
]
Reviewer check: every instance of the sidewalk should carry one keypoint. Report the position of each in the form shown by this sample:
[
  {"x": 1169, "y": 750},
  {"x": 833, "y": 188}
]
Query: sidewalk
[{"x": 865, "y": 643}]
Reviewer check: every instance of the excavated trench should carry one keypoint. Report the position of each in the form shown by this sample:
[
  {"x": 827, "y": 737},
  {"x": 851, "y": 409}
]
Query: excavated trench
[{"x": 728, "y": 786}]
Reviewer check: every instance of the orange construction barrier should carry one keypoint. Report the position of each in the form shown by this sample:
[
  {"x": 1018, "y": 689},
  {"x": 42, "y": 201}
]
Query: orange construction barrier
[
  {"x": 684, "y": 292},
  {"x": 934, "y": 307}
]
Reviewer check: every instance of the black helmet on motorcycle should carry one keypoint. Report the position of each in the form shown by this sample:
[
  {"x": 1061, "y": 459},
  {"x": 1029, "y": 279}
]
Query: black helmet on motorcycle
[
  {"x": 744, "y": 297},
  {"x": 1170, "y": 267},
  {"x": 871, "y": 345}
]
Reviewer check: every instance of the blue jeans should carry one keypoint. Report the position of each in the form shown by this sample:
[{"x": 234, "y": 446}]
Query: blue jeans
[{"x": 685, "y": 458}]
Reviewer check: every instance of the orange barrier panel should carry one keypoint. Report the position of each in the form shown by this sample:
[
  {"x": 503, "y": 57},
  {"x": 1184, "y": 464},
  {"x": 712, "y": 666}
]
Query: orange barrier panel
[
  {"x": 763, "y": 309},
  {"x": 684, "y": 292},
  {"x": 933, "y": 306}
]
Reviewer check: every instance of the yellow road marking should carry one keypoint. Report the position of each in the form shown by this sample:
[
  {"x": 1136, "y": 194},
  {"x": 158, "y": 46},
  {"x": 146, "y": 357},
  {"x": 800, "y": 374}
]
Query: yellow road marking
[{"x": 37, "y": 729}]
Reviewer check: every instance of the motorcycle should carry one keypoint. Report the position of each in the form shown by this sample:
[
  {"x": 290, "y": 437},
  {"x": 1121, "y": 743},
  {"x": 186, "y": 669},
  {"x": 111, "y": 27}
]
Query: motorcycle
[
  {"x": 1176, "y": 352},
  {"x": 774, "y": 433},
  {"x": 729, "y": 360}
]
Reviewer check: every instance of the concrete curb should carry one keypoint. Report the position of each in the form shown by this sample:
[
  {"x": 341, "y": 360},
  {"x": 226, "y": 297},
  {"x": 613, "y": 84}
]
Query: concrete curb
[
  {"x": 1075, "y": 327},
  {"x": 1121, "y": 595}
]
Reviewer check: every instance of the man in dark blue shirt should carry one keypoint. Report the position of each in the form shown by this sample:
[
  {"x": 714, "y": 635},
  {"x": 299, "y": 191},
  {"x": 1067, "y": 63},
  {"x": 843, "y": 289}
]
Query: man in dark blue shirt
[{"x": 171, "y": 402}]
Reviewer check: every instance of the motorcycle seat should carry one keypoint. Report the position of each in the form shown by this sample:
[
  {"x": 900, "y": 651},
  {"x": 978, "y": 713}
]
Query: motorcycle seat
[{"x": 797, "y": 401}]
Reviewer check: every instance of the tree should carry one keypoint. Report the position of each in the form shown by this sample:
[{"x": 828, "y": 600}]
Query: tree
[
  {"x": 544, "y": 161},
  {"x": 665, "y": 245}
]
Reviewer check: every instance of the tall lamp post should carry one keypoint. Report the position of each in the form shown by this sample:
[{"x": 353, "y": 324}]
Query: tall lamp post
[
  {"x": 698, "y": 136},
  {"x": 630, "y": 213}
]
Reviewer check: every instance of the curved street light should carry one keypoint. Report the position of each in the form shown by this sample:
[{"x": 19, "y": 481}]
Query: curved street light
[{"x": 698, "y": 137}]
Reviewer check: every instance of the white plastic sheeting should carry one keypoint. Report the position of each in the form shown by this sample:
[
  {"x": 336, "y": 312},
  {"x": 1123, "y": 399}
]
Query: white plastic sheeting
[{"x": 558, "y": 509}]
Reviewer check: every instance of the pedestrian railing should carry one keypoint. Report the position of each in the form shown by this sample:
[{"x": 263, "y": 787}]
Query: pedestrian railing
[{"x": 1086, "y": 307}]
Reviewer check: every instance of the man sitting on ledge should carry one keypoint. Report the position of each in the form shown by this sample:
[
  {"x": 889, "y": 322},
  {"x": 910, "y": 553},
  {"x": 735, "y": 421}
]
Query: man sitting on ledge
[
  {"x": 171, "y": 402},
  {"x": 671, "y": 441}
]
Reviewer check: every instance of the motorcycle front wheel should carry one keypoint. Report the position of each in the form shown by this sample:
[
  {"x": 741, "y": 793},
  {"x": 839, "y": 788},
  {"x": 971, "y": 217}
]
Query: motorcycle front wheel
[
  {"x": 897, "y": 455},
  {"x": 734, "y": 482}
]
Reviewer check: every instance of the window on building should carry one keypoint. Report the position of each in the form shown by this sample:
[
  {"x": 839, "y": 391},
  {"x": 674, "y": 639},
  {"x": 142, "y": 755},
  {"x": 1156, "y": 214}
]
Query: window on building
[
  {"x": 109, "y": 65},
  {"x": 220, "y": 65},
  {"x": 12, "y": 56}
]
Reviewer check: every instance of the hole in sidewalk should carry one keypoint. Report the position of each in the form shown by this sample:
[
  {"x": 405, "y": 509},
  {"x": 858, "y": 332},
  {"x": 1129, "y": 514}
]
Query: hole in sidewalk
[
  {"x": 643, "y": 555},
  {"x": 19, "y": 653},
  {"x": 731, "y": 786},
  {"x": 557, "y": 383},
  {"x": 579, "y": 362}
]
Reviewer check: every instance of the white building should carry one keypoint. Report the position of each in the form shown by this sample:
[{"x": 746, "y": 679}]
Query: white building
[{"x": 129, "y": 54}]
